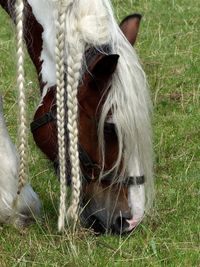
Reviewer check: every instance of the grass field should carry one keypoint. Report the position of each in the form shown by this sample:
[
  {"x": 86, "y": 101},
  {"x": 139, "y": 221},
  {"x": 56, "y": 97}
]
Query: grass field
[{"x": 169, "y": 47}]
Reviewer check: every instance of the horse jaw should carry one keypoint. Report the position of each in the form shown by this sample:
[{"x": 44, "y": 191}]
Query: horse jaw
[{"x": 27, "y": 204}]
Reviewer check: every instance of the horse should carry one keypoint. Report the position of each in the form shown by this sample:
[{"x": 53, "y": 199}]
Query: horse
[{"x": 113, "y": 106}]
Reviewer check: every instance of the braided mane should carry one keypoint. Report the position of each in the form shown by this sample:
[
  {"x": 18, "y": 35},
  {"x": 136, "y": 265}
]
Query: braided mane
[{"x": 23, "y": 137}]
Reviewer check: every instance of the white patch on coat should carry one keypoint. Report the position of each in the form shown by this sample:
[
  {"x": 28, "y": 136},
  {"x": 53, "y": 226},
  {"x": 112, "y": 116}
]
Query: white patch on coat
[
  {"x": 45, "y": 14},
  {"x": 28, "y": 204}
]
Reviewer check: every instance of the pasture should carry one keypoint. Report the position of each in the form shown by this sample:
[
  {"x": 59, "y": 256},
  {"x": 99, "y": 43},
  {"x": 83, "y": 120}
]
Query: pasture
[{"x": 168, "y": 46}]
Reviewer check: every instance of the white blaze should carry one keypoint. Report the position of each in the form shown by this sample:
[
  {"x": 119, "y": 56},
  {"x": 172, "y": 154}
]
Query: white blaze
[{"x": 136, "y": 195}]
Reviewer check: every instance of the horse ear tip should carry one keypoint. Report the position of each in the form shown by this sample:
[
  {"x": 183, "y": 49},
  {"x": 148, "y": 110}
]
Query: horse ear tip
[
  {"x": 115, "y": 57},
  {"x": 111, "y": 59},
  {"x": 106, "y": 65},
  {"x": 132, "y": 16},
  {"x": 137, "y": 15}
]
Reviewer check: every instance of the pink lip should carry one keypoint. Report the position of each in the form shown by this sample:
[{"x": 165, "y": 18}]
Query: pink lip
[{"x": 133, "y": 223}]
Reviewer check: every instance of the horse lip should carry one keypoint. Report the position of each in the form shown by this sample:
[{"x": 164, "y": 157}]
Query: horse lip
[{"x": 133, "y": 223}]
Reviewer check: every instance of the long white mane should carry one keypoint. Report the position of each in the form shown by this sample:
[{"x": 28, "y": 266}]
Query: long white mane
[{"x": 82, "y": 24}]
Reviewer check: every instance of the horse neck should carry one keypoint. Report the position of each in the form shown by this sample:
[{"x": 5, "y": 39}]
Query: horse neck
[{"x": 33, "y": 39}]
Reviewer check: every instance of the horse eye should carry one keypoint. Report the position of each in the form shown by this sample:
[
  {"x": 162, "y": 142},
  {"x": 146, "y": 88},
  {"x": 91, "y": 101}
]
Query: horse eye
[{"x": 109, "y": 128}]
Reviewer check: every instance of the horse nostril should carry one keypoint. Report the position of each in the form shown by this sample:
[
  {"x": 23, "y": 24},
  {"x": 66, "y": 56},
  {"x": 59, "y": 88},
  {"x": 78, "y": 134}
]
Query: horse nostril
[{"x": 120, "y": 224}]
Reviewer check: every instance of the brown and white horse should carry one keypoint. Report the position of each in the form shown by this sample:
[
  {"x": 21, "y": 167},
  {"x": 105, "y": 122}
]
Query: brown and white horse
[{"x": 114, "y": 138}]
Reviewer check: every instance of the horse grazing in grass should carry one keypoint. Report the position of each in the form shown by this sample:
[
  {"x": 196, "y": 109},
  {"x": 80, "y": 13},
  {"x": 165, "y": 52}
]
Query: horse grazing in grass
[{"x": 95, "y": 103}]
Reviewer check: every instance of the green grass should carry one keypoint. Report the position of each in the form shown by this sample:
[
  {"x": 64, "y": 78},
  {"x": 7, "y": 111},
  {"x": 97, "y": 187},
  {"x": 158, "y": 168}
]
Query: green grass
[{"x": 168, "y": 46}]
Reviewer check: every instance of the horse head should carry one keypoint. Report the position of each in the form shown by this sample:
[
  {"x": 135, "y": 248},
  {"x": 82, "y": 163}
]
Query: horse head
[{"x": 107, "y": 201}]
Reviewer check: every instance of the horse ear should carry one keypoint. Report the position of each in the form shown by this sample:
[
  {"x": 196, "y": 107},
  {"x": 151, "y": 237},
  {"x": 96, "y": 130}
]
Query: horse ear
[
  {"x": 130, "y": 27},
  {"x": 105, "y": 67},
  {"x": 95, "y": 86}
]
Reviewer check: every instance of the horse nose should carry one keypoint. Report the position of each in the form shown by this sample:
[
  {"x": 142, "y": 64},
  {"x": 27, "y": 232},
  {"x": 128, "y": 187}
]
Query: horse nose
[{"x": 120, "y": 223}]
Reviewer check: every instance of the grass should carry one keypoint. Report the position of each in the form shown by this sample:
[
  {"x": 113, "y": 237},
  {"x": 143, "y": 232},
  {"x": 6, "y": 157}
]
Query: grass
[{"x": 168, "y": 46}]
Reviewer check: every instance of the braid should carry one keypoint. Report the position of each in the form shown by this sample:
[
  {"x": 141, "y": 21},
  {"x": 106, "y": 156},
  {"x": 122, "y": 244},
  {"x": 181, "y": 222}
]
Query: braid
[
  {"x": 73, "y": 75},
  {"x": 75, "y": 50},
  {"x": 78, "y": 35},
  {"x": 19, "y": 7},
  {"x": 60, "y": 93}
]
